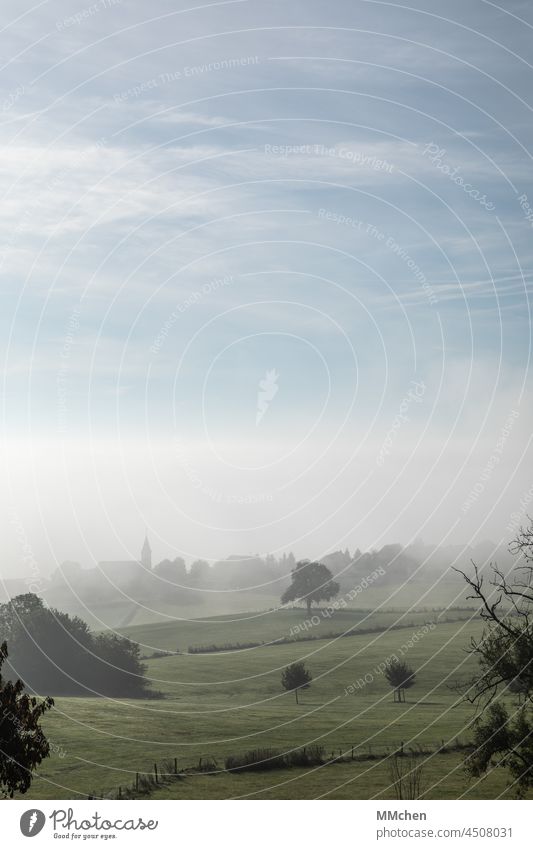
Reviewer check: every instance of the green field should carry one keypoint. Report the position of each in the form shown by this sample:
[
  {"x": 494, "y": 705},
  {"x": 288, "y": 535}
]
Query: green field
[
  {"x": 118, "y": 610},
  {"x": 227, "y": 703},
  {"x": 444, "y": 778},
  {"x": 270, "y": 626}
]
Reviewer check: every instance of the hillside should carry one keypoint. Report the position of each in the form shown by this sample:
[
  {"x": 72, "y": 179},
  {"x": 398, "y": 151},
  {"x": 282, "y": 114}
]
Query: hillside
[{"x": 218, "y": 704}]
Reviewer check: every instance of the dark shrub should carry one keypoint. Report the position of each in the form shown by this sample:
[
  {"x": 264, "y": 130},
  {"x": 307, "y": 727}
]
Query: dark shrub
[
  {"x": 260, "y": 760},
  {"x": 53, "y": 652}
]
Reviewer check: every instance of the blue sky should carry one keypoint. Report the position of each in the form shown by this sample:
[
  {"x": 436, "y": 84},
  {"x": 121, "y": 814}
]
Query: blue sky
[{"x": 336, "y": 192}]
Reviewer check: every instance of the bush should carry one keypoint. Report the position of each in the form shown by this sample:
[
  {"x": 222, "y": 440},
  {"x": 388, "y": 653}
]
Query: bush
[
  {"x": 53, "y": 652},
  {"x": 261, "y": 760},
  {"x": 257, "y": 760},
  {"x": 223, "y": 647}
]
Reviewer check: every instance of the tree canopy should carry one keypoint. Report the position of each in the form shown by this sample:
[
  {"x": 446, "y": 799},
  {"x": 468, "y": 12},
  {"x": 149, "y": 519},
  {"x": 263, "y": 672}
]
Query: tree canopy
[
  {"x": 22, "y": 743},
  {"x": 296, "y": 677},
  {"x": 311, "y": 582},
  {"x": 400, "y": 676},
  {"x": 54, "y": 652}
]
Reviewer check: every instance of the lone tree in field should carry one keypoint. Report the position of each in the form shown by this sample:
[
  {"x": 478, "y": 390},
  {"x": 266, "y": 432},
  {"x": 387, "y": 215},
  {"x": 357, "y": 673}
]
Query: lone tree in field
[
  {"x": 503, "y": 731},
  {"x": 296, "y": 677},
  {"x": 401, "y": 677},
  {"x": 22, "y": 742},
  {"x": 311, "y": 582}
]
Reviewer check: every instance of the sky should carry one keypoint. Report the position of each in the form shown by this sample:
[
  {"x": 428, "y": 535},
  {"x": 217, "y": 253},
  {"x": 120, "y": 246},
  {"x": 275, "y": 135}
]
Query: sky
[{"x": 265, "y": 273}]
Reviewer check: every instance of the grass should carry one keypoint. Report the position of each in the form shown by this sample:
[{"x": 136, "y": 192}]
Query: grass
[
  {"x": 118, "y": 610},
  {"x": 272, "y": 625},
  {"x": 443, "y": 778},
  {"x": 218, "y": 705}
]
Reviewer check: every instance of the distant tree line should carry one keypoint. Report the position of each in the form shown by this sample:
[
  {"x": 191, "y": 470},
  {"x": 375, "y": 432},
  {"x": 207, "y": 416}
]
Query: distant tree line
[{"x": 173, "y": 581}]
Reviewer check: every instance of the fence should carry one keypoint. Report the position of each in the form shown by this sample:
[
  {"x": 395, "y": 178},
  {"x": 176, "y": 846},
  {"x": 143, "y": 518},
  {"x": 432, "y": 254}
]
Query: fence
[{"x": 167, "y": 772}]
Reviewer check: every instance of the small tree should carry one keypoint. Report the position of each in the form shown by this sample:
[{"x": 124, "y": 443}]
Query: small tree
[
  {"x": 406, "y": 774},
  {"x": 22, "y": 743},
  {"x": 400, "y": 676},
  {"x": 296, "y": 677},
  {"x": 311, "y": 582}
]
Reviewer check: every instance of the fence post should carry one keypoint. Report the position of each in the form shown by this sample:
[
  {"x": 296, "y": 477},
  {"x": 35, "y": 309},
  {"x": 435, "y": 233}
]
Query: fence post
[
  {"x": 155, "y": 774},
  {"x": 136, "y": 782},
  {"x": 175, "y": 766},
  {"x": 352, "y": 753}
]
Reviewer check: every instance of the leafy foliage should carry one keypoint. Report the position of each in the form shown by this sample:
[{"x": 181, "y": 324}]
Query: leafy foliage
[
  {"x": 50, "y": 650},
  {"x": 296, "y": 677},
  {"x": 501, "y": 740},
  {"x": 310, "y": 582},
  {"x": 400, "y": 676},
  {"x": 22, "y": 743},
  {"x": 260, "y": 760}
]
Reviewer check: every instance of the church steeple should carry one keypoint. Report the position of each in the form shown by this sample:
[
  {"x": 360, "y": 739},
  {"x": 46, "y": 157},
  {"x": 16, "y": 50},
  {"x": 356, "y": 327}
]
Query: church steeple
[{"x": 146, "y": 554}]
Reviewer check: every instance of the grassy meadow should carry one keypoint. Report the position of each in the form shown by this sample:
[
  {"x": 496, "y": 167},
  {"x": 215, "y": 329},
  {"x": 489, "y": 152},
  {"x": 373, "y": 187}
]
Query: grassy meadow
[
  {"x": 272, "y": 626},
  {"x": 226, "y": 703}
]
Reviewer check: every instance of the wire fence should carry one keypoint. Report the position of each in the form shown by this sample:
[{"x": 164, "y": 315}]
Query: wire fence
[{"x": 169, "y": 770}]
